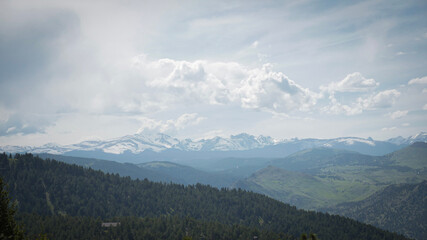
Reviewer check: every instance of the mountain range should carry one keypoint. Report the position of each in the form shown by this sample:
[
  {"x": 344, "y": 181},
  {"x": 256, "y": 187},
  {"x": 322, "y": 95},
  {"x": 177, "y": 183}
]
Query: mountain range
[
  {"x": 158, "y": 147},
  {"x": 322, "y": 178}
]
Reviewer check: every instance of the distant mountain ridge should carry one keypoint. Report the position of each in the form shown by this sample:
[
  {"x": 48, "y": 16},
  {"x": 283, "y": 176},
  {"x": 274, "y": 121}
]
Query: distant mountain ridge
[
  {"x": 420, "y": 137},
  {"x": 154, "y": 171},
  {"x": 156, "y": 144}
]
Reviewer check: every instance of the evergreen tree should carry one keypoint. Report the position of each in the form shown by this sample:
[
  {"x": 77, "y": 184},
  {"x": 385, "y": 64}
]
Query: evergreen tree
[{"x": 8, "y": 227}]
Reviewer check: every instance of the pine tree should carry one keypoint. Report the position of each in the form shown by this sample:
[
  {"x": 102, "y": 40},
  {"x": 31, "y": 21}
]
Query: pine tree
[{"x": 8, "y": 227}]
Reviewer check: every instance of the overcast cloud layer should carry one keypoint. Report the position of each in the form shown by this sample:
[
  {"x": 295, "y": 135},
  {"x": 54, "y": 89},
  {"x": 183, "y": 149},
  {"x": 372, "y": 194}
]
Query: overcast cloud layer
[{"x": 77, "y": 70}]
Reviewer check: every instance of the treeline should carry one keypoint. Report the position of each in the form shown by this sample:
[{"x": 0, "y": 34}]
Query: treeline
[{"x": 51, "y": 188}]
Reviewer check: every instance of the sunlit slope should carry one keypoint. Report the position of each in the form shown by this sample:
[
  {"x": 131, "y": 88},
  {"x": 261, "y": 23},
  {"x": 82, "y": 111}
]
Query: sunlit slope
[{"x": 323, "y": 177}]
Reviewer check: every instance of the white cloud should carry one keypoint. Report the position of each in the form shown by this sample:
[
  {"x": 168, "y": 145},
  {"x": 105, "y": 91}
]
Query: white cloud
[
  {"x": 274, "y": 91},
  {"x": 255, "y": 44},
  {"x": 336, "y": 107},
  {"x": 422, "y": 80},
  {"x": 382, "y": 99},
  {"x": 425, "y": 107},
  {"x": 24, "y": 124},
  {"x": 225, "y": 82},
  {"x": 398, "y": 114},
  {"x": 388, "y": 129},
  {"x": 353, "y": 82},
  {"x": 170, "y": 126}
]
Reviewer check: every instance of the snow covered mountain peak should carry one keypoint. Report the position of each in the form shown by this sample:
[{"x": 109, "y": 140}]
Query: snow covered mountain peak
[
  {"x": 420, "y": 137},
  {"x": 158, "y": 142}
]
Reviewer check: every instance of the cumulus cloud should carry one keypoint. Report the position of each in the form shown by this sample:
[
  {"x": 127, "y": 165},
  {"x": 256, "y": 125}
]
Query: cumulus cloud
[
  {"x": 149, "y": 125},
  {"x": 422, "y": 80},
  {"x": 274, "y": 91},
  {"x": 354, "y": 82},
  {"x": 357, "y": 92},
  {"x": 338, "y": 108},
  {"x": 398, "y": 114},
  {"x": 382, "y": 99},
  {"x": 226, "y": 82}
]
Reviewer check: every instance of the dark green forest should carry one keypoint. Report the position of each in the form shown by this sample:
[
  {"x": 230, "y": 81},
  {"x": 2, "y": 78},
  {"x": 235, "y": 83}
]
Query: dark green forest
[
  {"x": 68, "y": 202},
  {"x": 163, "y": 227}
]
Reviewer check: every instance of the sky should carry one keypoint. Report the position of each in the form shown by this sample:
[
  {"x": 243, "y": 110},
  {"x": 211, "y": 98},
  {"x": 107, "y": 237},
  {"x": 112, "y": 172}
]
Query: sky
[{"x": 79, "y": 70}]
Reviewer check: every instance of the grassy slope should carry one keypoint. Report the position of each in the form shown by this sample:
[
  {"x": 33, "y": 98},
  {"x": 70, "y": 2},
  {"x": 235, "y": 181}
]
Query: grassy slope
[{"x": 336, "y": 176}]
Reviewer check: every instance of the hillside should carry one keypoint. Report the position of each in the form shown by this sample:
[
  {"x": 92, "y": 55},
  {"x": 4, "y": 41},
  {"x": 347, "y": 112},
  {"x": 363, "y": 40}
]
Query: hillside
[
  {"x": 413, "y": 156},
  {"x": 164, "y": 227},
  {"x": 188, "y": 175},
  {"x": 340, "y": 176},
  {"x": 123, "y": 169},
  {"x": 158, "y": 171},
  {"x": 400, "y": 207},
  {"x": 322, "y": 178},
  {"x": 295, "y": 188},
  {"x": 317, "y": 158},
  {"x": 47, "y": 187}
]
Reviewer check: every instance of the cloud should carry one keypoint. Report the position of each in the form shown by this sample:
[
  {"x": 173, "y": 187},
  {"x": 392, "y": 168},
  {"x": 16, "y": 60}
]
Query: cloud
[
  {"x": 354, "y": 82},
  {"x": 336, "y": 107},
  {"x": 255, "y": 44},
  {"x": 382, "y": 99},
  {"x": 170, "y": 126},
  {"x": 422, "y": 80},
  {"x": 425, "y": 107},
  {"x": 388, "y": 129},
  {"x": 398, "y": 114},
  {"x": 220, "y": 83},
  {"x": 24, "y": 124},
  {"x": 274, "y": 91}
]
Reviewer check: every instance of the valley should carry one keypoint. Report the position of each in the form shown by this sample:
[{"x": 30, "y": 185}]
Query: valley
[
  {"x": 58, "y": 195},
  {"x": 325, "y": 179}
]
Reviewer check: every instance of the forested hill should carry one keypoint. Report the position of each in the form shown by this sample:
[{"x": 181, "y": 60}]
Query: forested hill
[
  {"x": 388, "y": 207},
  {"x": 48, "y": 187}
]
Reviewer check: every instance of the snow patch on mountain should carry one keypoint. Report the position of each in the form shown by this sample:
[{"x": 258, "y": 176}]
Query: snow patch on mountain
[
  {"x": 351, "y": 141},
  {"x": 139, "y": 143},
  {"x": 420, "y": 137}
]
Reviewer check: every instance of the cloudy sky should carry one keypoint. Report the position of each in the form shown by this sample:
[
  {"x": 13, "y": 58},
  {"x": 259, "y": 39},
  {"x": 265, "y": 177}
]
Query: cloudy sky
[{"x": 78, "y": 70}]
